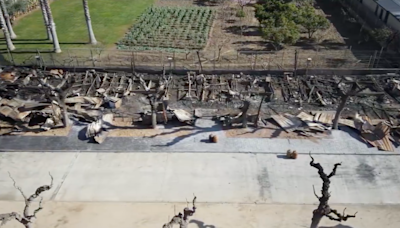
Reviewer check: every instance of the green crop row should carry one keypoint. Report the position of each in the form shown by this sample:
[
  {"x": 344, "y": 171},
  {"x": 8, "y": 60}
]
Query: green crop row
[{"x": 170, "y": 28}]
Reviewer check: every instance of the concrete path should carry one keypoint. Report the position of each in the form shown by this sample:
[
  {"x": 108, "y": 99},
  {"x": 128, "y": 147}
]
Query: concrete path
[
  {"x": 137, "y": 215},
  {"x": 239, "y": 182},
  {"x": 340, "y": 142},
  {"x": 213, "y": 177}
]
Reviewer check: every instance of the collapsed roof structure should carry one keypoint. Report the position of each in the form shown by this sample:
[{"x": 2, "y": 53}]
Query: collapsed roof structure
[{"x": 32, "y": 99}]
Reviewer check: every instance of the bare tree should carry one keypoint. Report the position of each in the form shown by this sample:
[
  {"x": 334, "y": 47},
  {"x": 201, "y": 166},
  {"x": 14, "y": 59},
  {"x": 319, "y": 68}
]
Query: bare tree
[
  {"x": 354, "y": 90},
  {"x": 221, "y": 45},
  {"x": 7, "y": 36},
  {"x": 180, "y": 219},
  {"x": 52, "y": 26},
  {"x": 92, "y": 38},
  {"x": 243, "y": 3},
  {"x": 155, "y": 97},
  {"x": 7, "y": 19},
  {"x": 27, "y": 219},
  {"x": 46, "y": 20},
  {"x": 152, "y": 100},
  {"x": 323, "y": 208},
  {"x": 57, "y": 93}
]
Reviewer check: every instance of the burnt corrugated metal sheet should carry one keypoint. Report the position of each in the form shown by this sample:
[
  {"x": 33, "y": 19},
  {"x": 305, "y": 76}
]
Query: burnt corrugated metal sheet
[
  {"x": 346, "y": 122},
  {"x": 287, "y": 122},
  {"x": 13, "y": 113},
  {"x": 324, "y": 117},
  {"x": 305, "y": 117},
  {"x": 379, "y": 137},
  {"x": 309, "y": 120}
]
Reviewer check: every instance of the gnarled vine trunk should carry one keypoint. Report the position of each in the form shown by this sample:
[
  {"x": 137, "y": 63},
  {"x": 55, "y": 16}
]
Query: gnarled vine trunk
[
  {"x": 182, "y": 219},
  {"x": 27, "y": 218},
  {"x": 323, "y": 208}
]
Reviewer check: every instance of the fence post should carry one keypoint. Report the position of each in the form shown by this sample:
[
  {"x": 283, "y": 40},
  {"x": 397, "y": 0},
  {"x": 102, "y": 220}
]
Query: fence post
[
  {"x": 11, "y": 56},
  {"x": 252, "y": 63},
  {"x": 255, "y": 62},
  {"x": 379, "y": 57},
  {"x": 295, "y": 62},
  {"x": 173, "y": 60},
  {"x": 76, "y": 59},
  {"x": 369, "y": 62},
  {"x": 373, "y": 61},
  {"x": 162, "y": 59},
  {"x": 91, "y": 55},
  {"x": 38, "y": 59},
  {"x": 201, "y": 66},
  {"x": 69, "y": 58},
  {"x": 283, "y": 54},
  {"x": 52, "y": 59},
  {"x": 133, "y": 61},
  {"x": 215, "y": 56}
]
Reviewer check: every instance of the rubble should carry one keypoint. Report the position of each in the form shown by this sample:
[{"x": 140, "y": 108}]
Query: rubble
[
  {"x": 183, "y": 116},
  {"x": 98, "y": 130},
  {"x": 287, "y": 122},
  {"x": 303, "y": 104}
]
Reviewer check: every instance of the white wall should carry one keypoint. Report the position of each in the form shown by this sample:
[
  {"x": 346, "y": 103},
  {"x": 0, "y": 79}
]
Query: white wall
[
  {"x": 393, "y": 22},
  {"x": 371, "y": 4}
]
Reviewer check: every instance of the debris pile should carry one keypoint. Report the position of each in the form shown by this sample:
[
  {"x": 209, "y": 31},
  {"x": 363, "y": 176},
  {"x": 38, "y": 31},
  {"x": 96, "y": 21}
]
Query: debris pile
[{"x": 309, "y": 105}]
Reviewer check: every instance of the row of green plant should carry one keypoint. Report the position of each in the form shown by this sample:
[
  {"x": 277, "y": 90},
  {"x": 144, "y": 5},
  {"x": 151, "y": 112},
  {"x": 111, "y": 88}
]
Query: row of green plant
[
  {"x": 16, "y": 8},
  {"x": 282, "y": 21},
  {"x": 170, "y": 27}
]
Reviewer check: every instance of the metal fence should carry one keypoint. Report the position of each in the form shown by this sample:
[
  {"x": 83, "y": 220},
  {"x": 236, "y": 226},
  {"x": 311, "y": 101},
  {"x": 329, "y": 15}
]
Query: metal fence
[{"x": 256, "y": 60}]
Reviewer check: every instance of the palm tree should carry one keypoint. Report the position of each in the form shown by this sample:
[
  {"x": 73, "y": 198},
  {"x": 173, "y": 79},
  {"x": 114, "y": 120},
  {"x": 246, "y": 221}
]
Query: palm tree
[
  {"x": 46, "y": 20},
  {"x": 52, "y": 26},
  {"x": 3, "y": 26},
  {"x": 92, "y": 38},
  {"x": 7, "y": 19}
]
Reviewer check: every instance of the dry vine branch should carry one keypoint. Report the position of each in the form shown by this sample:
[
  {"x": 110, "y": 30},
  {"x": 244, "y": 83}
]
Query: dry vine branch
[
  {"x": 27, "y": 219},
  {"x": 182, "y": 219},
  {"x": 323, "y": 207},
  {"x": 354, "y": 90}
]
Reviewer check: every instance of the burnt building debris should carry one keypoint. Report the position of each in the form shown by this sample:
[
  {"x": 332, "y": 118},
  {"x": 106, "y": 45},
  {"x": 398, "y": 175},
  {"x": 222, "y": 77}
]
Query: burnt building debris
[{"x": 304, "y": 104}]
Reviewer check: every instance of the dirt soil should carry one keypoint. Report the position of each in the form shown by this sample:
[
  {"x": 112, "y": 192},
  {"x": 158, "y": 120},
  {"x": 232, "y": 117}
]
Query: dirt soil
[
  {"x": 36, "y": 131},
  {"x": 127, "y": 129},
  {"x": 52, "y": 132},
  {"x": 239, "y": 41}
]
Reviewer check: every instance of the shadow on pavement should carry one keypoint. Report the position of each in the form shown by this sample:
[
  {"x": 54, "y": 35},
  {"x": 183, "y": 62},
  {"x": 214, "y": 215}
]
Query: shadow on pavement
[
  {"x": 200, "y": 224},
  {"x": 337, "y": 226}
]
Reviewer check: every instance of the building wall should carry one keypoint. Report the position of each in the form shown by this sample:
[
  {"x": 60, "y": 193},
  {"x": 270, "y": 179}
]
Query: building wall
[
  {"x": 371, "y": 4},
  {"x": 393, "y": 22}
]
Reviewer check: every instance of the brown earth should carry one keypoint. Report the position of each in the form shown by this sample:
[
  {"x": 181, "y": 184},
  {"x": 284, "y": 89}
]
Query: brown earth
[{"x": 240, "y": 41}]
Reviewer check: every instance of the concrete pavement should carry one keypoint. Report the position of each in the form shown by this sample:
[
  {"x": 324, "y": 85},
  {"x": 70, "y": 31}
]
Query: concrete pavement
[
  {"x": 239, "y": 182},
  {"x": 214, "y": 178},
  {"x": 340, "y": 142},
  {"x": 208, "y": 215}
]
